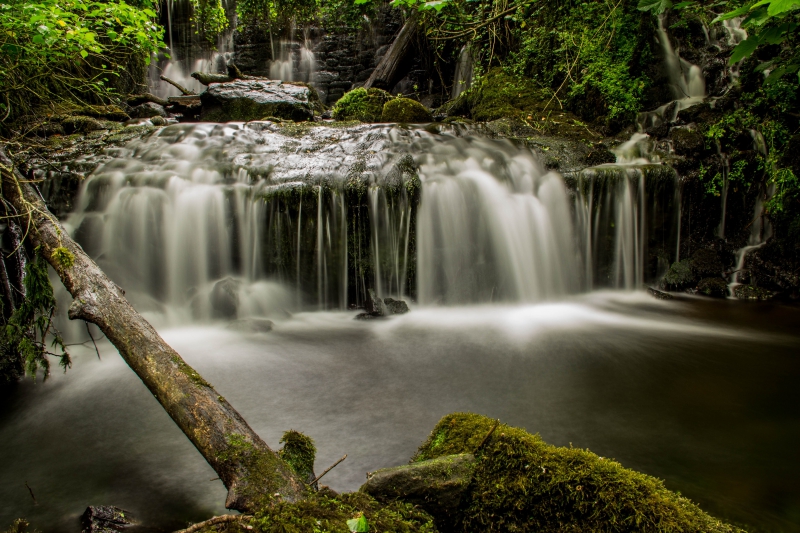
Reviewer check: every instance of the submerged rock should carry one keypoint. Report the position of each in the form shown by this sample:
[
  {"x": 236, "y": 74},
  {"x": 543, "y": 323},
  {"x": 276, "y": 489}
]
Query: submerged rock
[
  {"x": 251, "y": 325},
  {"x": 749, "y": 292},
  {"x": 395, "y": 307},
  {"x": 245, "y": 100},
  {"x": 658, "y": 295},
  {"x": 104, "y": 519},
  {"x": 375, "y": 307},
  {"x": 224, "y": 298},
  {"x": 714, "y": 287}
]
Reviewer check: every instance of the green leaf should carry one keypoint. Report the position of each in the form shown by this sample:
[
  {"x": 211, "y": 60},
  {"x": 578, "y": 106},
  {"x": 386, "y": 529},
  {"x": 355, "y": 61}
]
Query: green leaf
[
  {"x": 358, "y": 525},
  {"x": 777, "y": 7},
  {"x": 683, "y": 5},
  {"x": 84, "y": 54},
  {"x": 656, "y": 6},
  {"x": 744, "y": 49},
  {"x": 732, "y": 14}
]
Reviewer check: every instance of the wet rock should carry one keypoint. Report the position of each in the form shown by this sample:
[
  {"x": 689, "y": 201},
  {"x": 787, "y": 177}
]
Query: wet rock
[
  {"x": 687, "y": 142},
  {"x": 600, "y": 154},
  {"x": 158, "y": 121},
  {"x": 706, "y": 263},
  {"x": 658, "y": 295},
  {"x": 105, "y": 519},
  {"x": 436, "y": 485},
  {"x": 714, "y": 287},
  {"x": 245, "y": 100},
  {"x": 147, "y": 110},
  {"x": 405, "y": 110},
  {"x": 395, "y": 307},
  {"x": 81, "y": 124},
  {"x": 251, "y": 325},
  {"x": 46, "y": 129},
  {"x": 374, "y": 305},
  {"x": 224, "y": 298},
  {"x": 749, "y": 292}
]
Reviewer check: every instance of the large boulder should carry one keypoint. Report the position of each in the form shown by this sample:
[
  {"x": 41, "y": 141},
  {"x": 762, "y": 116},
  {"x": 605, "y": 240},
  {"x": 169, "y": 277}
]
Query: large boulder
[
  {"x": 148, "y": 110},
  {"x": 224, "y": 299},
  {"x": 245, "y": 100},
  {"x": 365, "y": 105}
]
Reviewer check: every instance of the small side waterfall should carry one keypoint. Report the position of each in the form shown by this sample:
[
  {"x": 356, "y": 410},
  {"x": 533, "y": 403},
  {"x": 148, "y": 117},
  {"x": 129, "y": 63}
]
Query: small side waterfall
[
  {"x": 294, "y": 61},
  {"x": 464, "y": 71},
  {"x": 199, "y": 211}
]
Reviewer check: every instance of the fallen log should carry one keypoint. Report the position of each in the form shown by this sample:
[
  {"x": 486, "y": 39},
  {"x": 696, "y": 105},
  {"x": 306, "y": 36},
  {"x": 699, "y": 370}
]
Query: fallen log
[
  {"x": 391, "y": 69},
  {"x": 138, "y": 99},
  {"x": 253, "y": 473}
]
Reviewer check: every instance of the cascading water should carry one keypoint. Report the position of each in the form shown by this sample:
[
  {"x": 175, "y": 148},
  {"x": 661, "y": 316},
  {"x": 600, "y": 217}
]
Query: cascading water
[
  {"x": 188, "y": 55},
  {"x": 464, "y": 72},
  {"x": 320, "y": 219},
  {"x": 294, "y": 61}
]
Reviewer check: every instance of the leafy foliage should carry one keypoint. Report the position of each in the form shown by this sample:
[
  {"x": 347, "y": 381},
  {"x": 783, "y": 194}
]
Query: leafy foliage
[
  {"x": 31, "y": 324},
  {"x": 210, "y": 18},
  {"x": 70, "y": 49}
]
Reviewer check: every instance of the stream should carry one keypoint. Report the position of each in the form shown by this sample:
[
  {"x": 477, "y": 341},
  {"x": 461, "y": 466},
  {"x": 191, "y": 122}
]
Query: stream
[{"x": 699, "y": 393}]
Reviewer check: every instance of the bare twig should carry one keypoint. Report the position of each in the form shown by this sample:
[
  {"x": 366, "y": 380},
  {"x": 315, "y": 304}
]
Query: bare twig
[
  {"x": 178, "y": 86},
  {"x": 90, "y": 336},
  {"x": 327, "y": 470},
  {"x": 486, "y": 438},
  {"x": 31, "y": 491},
  {"x": 213, "y": 521}
]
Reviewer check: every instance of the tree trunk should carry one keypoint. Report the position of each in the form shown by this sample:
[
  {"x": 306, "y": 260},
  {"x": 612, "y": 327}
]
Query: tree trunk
[
  {"x": 390, "y": 69},
  {"x": 253, "y": 473}
]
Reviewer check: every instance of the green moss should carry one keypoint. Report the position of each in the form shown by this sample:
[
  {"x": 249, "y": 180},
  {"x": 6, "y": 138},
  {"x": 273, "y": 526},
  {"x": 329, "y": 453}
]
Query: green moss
[
  {"x": 405, "y": 110},
  {"x": 190, "y": 372},
  {"x": 324, "y": 513},
  {"x": 299, "y": 453},
  {"x": 267, "y": 474},
  {"x": 516, "y": 104},
  {"x": 679, "y": 276},
  {"x": 523, "y": 484},
  {"x": 80, "y": 124},
  {"x": 20, "y": 525},
  {"x": 365, "y": 105}
]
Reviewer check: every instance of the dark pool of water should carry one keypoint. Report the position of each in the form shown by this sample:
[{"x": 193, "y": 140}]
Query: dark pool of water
[{"x": 703, "y": 394}]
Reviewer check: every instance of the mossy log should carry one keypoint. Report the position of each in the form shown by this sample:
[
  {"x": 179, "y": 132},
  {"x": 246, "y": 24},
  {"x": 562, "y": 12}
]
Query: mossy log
[
  {"x": 390, "y": 68},
  {"x": 254, "y": 474}
]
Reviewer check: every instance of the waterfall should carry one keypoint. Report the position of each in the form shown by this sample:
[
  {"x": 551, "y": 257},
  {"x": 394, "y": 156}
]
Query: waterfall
[
  {"x": 295, "y": 61},
  {"x": 464, "y": 72},
  {"x": 316, "y": 221}
]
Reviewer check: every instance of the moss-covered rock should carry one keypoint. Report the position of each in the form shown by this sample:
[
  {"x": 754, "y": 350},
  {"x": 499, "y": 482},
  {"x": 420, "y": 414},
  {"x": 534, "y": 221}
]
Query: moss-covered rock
[
  {"x": 714, "y": 287},
  {"x": 108, "y": 112},
  {"x": 365, "y": 105},
  {"x": 81, "y": 124},
  {"x": 687, "y": 142},
  {"x": 500, "y": 96},
  {"x": 523, "y": 484},
  {"x": 679, "y": 276},
  {"x": 246, "y": 100},
  {"x": 405, "y": 110}
]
